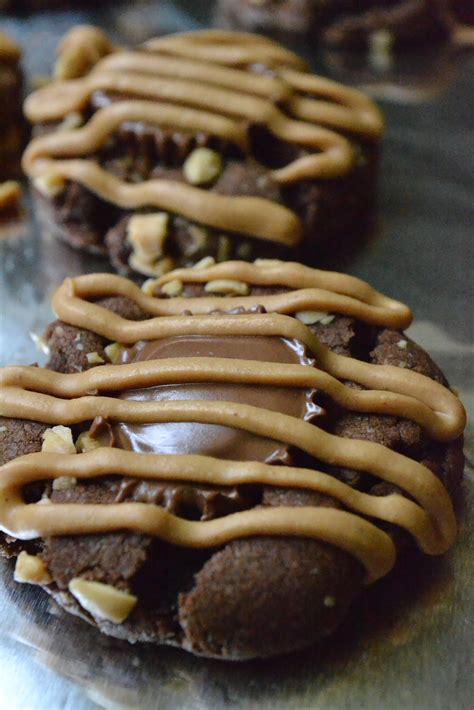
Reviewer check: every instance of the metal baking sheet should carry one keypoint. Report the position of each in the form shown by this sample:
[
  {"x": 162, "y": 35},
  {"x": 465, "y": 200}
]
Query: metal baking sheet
[{"x": 409, "y": 642}]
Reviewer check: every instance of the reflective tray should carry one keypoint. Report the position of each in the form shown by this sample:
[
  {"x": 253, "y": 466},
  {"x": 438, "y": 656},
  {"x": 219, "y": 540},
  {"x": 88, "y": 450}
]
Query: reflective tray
[{"x": 408, "y": 643}]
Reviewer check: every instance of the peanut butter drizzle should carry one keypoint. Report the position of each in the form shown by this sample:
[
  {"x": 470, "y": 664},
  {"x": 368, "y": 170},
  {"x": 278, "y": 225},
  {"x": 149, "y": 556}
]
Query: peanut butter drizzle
[
  {"x": 52, "y": 398},
  {"x": 178, "y": 82}
]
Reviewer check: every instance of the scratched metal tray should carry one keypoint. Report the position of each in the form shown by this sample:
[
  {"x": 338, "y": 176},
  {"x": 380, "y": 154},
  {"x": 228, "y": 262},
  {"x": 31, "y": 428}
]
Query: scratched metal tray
[{"x": 408, "y": 643}]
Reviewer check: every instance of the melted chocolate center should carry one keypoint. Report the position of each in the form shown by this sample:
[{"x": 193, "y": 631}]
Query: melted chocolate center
[{"x": 211, "y": 439}]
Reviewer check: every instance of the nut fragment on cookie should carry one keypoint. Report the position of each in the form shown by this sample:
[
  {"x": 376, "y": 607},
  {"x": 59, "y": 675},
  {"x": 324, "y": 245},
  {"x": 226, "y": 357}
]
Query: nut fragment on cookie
[
  {"x": 113, "y": 351},
  {"x": 204, "y": 263},
  {"x": 30, "y": 569},
  {"x": 95, "y": 359},
  {"x": 64, "y": 483},
  {"x": 158, "y": 268},
  {"x": 85, "y": 442},
  {"x": 311, "y": 317},
  {"x": 227, "y": 287},
  {"x": 147, "y": 234},
  {"x": 173, "y": 288},
  {"x": 58, "y": 440},
  {"x": 203, "y": 166},
  {"x": 103, "y": 600}
]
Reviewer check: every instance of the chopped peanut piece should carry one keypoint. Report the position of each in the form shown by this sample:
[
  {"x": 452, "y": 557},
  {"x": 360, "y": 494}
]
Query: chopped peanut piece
[
  {"x": 95, "y": 359},
  {"x": 113, "y": 351},
  {"x": 58, "y": 440},
  {"x": 147, "y": 234},
  {"x": 172, "y": 288},
  {"x": 30, "y": 569},
  {"x": 227, "y": 287},
  {"x": 311, "y": 317},
  {"x": 204, "y": 263},
  {"x": 102, "y": 600},
  {"x": 85, "y": 442},
  {"x": 64, "y": 483},
  {"x": 202, "y": 166}
]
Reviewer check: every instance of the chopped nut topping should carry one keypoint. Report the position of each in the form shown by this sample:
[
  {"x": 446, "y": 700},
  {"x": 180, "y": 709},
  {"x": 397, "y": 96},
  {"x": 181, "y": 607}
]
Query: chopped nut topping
[
  {"x": 402, "y": 344},
  {"x": 50, "y": 184},
  {"x": 3, "y": 429},
  {"x": 329, "y": 601},
  {"x": 41, "y": 343},
  {"x": 202, "y": 166},
  {"x": 227, "y": 287},
  {"x": 103, "y": 600},
  {"x": 149, "y": 286},
  {"x": 157, "y": 269},
  {"x": 64, "y": 483},
  {"x": 113, "y": 351},
  {"x": 205, "y": 263},
  {"x": 172, "y": 288},
  {"x": 311, "y": 317},
  {"x": 95, "y": 359},
  {"x": 30, "y": 569},
  {"x": 85, "y": 442},
  {"x": 58, "y": 440},
  {"x": 147, "y": 234},
  {"x": 402, "y": 364},
  {"x": 10, "y": 194}
]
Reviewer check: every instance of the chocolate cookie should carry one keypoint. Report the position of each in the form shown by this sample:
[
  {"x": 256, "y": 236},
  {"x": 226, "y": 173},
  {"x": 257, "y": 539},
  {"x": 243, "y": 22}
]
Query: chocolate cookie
[
  {"x": 346, "y": 23},
  {"x": 208, "y": 143},
  {"x": 226, "y": 456},
  {"x": 11, "y": 119}
]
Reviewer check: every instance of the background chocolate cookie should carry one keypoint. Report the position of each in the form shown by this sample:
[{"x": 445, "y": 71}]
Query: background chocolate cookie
[
  {"x": 11, "y": 119},
  {"x": 349, "y": 421},
  {"x": 346, "y": 22},
  {"x": 265, "y": 159}
]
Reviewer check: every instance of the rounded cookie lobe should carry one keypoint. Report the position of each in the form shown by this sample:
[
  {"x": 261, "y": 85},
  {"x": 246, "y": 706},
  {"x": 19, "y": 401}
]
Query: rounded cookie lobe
[{"x": 267, "y": 596}]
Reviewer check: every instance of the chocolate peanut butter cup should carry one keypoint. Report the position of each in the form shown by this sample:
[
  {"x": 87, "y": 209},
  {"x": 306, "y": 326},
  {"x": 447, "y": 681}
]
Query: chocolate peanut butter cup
[
  {"x": 224, "y": 458},
  {"x": 203, "y": 144}
]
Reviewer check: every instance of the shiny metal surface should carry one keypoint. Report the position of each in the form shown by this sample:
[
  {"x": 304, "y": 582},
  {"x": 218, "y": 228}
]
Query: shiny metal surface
[{"x": 409, "y": 642}]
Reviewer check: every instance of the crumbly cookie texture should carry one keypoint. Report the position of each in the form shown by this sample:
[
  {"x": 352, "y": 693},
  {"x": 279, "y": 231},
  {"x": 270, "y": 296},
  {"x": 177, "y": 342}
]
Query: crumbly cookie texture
[
  {"x": 199, "y": 144},
  {"x": 166, "y": 472}
]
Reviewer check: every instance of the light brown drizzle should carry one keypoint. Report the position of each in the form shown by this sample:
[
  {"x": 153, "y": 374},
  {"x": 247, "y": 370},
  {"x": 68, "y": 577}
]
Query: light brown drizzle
[
  {"x": 50, "y": 397},
  {"x": 178, "y": 83}
]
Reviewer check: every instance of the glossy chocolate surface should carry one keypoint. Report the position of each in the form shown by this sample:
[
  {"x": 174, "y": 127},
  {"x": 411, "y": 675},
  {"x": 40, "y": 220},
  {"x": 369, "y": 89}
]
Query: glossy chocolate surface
[{"x": 209, "y": 439}]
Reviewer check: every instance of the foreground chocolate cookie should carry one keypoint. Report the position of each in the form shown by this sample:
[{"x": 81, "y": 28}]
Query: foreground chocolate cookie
[
  {"x": 348, "y": 23},
  {"x": 12, "y": 131},
  {"x": 224, "y": 458},
  {"x": 208, "y": 143}
]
